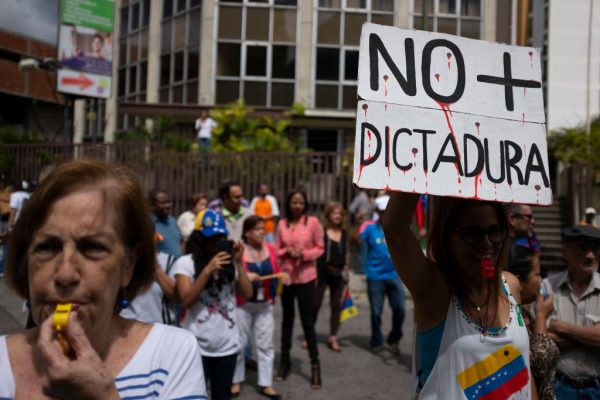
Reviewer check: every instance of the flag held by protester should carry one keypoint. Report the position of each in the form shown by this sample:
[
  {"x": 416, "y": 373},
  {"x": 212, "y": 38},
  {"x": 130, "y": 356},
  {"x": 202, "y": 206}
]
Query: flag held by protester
[{"x": 349, "y": 310}]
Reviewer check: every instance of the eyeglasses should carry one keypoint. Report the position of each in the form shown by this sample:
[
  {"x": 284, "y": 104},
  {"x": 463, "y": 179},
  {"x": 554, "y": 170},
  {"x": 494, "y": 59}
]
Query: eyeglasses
[
  {"x": 528, "y": 216},
  {"x": 473, "y": 235}
]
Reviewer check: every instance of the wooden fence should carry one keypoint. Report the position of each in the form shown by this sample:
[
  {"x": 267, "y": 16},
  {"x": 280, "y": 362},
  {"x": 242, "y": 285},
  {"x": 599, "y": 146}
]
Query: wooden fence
[{"x": 324, "y": 175}]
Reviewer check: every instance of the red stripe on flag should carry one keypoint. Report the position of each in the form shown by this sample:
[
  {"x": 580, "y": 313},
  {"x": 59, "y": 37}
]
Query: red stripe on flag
[{"x": 517, "y": 383}]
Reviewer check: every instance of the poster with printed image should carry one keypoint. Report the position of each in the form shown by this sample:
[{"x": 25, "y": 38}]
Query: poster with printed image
[{"x": 85, "y": 45}]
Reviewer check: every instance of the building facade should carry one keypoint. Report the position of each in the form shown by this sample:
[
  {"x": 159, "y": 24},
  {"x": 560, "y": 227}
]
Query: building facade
[
  {"x": 177, "y": 56},
  {"x": 571, "y": 60},
  {"x": 28, "y": 99}
]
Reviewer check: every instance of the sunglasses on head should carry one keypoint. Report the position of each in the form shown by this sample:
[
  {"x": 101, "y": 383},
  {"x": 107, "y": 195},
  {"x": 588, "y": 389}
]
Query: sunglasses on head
[{"x": 473, "y": 235}]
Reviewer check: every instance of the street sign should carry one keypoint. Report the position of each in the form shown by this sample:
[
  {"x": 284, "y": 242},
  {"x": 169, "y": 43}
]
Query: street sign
[
  {"x": 450, "y": 116},
  {"x": 83, "y": 84}
]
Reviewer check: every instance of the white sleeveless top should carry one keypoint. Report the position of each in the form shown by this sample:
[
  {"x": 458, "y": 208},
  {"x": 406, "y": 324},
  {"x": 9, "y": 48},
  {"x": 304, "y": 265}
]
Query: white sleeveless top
[{"x": 468, "y": 368}]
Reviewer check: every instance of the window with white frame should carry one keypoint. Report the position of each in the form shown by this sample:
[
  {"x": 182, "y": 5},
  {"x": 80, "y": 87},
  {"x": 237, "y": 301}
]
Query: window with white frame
[
  {"x": 338, "y": 27},
  {"x": 256, "y": 52},
  {"x": 133, "y": 54},
  {"x": 180, "y": 51},
  {"x": 456, "y": 17}
]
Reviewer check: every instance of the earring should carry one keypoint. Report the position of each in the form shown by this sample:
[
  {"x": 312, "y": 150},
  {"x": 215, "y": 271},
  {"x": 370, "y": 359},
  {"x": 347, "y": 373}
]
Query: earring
[
  {"x": 28, "y": 304},
  {"x": 124, "y": 303}
]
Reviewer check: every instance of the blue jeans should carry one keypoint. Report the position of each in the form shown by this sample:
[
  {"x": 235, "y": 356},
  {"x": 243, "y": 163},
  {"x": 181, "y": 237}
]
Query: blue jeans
[
  {"x": 377, "y": 291},
  {"x": 564, "y": 391},
  {"x": 204, "y": 144}
]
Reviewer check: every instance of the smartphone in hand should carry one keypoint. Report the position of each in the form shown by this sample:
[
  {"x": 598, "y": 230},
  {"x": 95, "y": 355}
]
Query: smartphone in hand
[{"x": 227, "y": 247}]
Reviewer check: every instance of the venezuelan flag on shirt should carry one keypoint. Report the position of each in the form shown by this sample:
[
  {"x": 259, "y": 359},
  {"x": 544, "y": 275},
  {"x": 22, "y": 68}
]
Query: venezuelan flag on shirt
[
  {"x": 349, "y": 310},
  {"x": 496, "y": 377}
]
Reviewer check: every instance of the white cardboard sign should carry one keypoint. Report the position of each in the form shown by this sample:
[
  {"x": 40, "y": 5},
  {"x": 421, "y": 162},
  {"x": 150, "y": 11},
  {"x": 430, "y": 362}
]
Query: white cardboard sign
[{"x": 450, "y": 116}]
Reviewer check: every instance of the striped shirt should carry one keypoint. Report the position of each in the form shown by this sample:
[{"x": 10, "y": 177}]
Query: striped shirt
[{"x": 167, "y": 365}]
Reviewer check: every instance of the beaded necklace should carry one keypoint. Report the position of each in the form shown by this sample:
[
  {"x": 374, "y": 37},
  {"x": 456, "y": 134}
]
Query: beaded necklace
[{"x": 483, "y": 328}]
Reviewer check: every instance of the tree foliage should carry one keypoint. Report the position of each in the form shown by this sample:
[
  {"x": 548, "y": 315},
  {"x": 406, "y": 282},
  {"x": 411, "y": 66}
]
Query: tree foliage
[
  {"x": 238, "y": 132},
  {"x": 161, "y": 133},
  {"x": 15, "y": 135},
  {"x": 573, "y": 145}
]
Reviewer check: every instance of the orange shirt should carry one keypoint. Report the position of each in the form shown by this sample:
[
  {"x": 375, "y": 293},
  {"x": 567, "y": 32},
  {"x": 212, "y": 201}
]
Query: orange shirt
[{"x": 263, "y": 209}]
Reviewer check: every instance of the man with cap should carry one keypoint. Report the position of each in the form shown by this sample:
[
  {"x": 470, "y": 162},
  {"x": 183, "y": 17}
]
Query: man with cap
[
  {"x": 382, "y": 280},
  {"x": 590, "y": 214},
  {"x": 575, "y": 322}
]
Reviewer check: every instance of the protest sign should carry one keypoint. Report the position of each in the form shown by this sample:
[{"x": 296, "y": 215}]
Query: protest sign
[{"x": 450, "y": 116}]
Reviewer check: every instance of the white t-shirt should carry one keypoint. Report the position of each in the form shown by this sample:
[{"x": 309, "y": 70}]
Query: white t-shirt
[
  {"x": 147, "y": 306},
  {"x": 18, "y": 201},
  {"x": 167, "y": 365},
  {"x": 205, "y": 127},
  {"x": 212, "y": 318}
]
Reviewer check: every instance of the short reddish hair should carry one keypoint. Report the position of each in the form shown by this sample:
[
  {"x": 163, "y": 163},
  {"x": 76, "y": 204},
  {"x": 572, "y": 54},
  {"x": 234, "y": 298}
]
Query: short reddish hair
[{"x": 121, "y": 190}]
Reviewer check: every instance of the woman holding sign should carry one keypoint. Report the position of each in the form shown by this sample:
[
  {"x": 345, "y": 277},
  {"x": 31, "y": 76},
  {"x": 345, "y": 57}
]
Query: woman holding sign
[{"x": 470, "y": 332}]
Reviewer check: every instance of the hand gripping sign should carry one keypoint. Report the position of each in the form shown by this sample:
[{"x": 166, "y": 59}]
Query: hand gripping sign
[{"x": 450, "y": 116}]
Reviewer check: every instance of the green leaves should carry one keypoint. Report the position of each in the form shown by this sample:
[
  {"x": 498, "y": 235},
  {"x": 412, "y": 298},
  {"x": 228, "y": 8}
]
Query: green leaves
[
  {"x": 238, "y": 132},
  {"x": 574, "y": 145}
]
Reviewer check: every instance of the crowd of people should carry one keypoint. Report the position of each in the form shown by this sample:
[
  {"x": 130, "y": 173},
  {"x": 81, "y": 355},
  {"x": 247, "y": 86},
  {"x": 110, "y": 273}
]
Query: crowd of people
[{"x": 487, "y": 325}]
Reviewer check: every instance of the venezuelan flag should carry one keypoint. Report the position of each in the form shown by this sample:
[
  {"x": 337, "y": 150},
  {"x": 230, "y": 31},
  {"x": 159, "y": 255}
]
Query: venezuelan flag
[
  {"x": 496, "y": 377},
  {"x": 349, "y": 310}
]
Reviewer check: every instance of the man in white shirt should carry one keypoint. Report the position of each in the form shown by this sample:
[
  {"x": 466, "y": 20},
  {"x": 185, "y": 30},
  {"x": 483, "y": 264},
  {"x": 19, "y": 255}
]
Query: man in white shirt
[
  {"x": 17, "y": 202},
  {"x": 204, "y": 126}
]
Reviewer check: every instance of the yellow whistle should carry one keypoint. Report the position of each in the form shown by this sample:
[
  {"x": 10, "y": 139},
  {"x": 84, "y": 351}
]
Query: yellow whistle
[{"x": 60, "y": 320}]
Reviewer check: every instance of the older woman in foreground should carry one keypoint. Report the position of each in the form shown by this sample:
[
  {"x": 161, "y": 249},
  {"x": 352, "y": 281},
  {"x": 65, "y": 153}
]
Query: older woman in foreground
[{"x": 85, "y": 239}]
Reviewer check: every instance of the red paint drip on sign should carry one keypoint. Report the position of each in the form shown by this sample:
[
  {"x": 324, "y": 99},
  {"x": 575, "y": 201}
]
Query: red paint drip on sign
[
  {"x": 385, "y": 79},
  {"x": 531, "y": 58},
  {"x": 448, "y": 113},
  {"x": 477, "y": 183}
]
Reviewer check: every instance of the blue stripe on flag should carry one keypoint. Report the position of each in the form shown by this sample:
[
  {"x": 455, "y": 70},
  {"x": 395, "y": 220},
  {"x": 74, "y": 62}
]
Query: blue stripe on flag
[
  {"x": 495, "y": 380},
  {"x": 347, "y": 303}
]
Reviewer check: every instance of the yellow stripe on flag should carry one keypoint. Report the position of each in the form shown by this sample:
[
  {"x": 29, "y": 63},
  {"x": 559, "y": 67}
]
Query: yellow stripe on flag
[
  {"x": 487, "y": 366},
  {"x": 348, "y": 313}
]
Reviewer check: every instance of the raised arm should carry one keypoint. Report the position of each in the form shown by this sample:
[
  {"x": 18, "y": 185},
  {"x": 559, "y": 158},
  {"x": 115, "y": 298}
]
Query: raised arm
[
  {"x": 407, "y": 256},
  {"x": 422, "y": 278}
]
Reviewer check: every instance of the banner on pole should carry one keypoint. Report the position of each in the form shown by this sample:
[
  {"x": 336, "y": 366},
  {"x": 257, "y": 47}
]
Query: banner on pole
[{"x": 450, "y": 116}]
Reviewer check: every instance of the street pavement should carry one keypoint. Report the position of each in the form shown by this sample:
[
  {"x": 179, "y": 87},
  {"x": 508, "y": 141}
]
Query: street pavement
[{"x": 355, "y": 373}]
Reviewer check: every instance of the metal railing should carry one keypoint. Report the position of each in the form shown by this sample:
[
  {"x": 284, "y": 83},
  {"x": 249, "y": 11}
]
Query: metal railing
[{"x": 324, "y": 175}]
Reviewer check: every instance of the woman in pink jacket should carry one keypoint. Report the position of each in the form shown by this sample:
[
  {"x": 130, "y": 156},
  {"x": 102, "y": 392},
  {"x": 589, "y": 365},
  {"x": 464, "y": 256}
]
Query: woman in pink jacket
[{"x": 299, "y": 243}]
